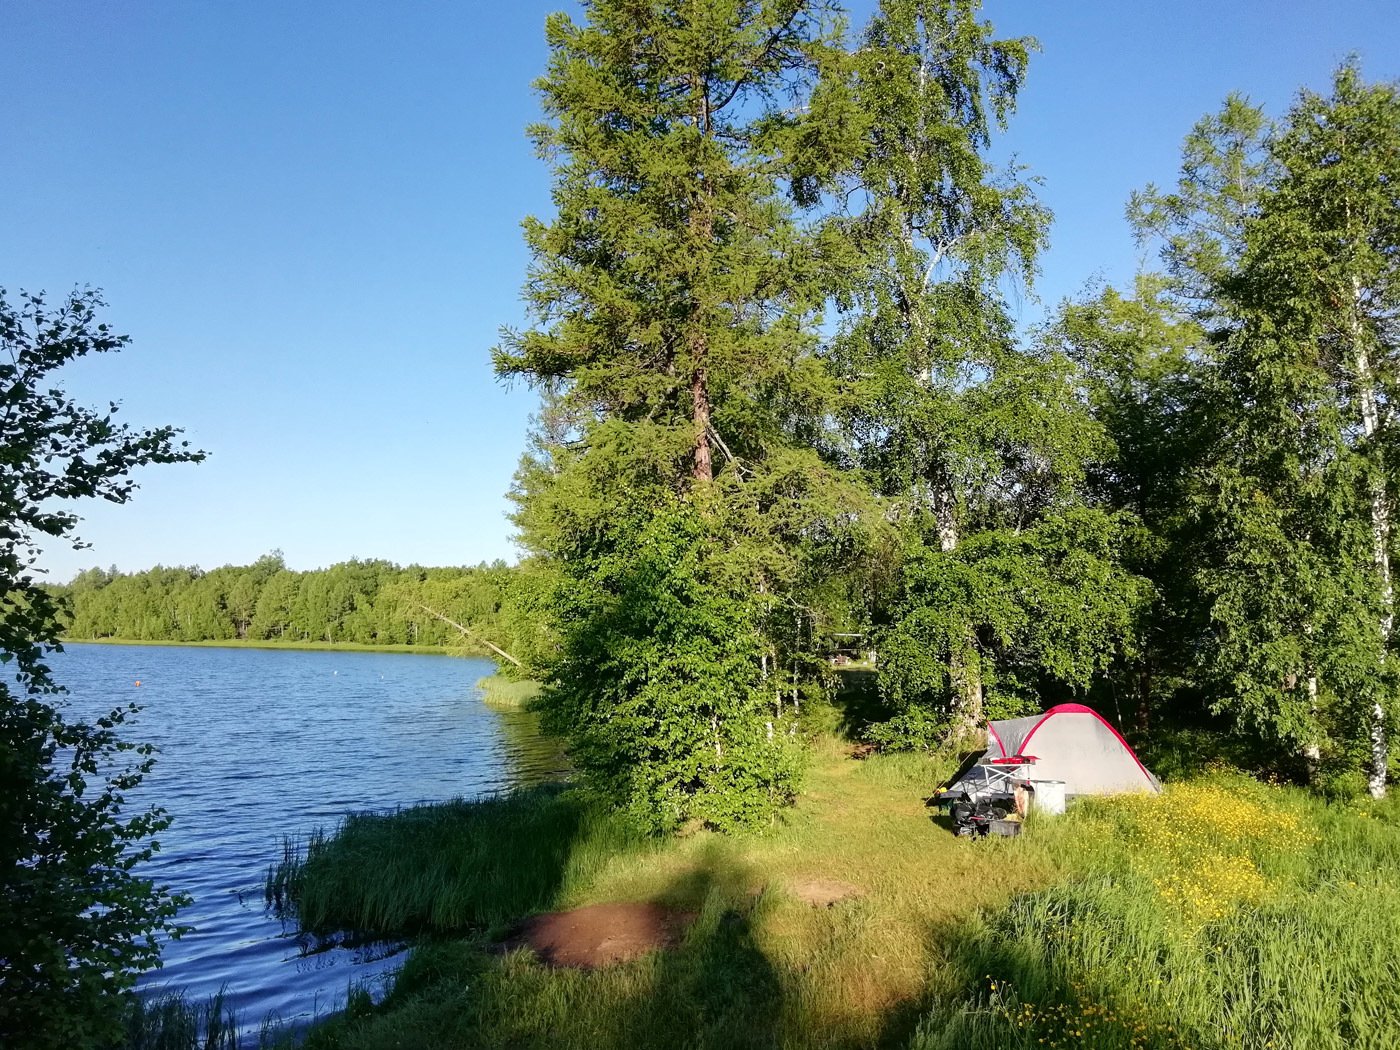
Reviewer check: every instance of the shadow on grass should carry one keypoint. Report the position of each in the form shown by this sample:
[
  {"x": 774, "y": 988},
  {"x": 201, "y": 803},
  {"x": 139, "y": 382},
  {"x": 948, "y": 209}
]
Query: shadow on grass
[
  {"x": 715, "y": 989},
  {"x": 1011, "y": 998},
  {"x": 856, "y": 704},
  {"x": 449, "y": 867}
]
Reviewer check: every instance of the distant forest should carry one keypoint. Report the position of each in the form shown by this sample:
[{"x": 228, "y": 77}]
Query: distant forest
[{"x": 367, "y": 602}]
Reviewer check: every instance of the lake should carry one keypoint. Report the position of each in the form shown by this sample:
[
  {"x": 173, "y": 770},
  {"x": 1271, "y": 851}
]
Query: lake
[{"x": 259, "y": 744}]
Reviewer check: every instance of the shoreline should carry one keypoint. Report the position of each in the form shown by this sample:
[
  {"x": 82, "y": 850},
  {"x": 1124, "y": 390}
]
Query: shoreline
[{"x": 300, "y": 646}]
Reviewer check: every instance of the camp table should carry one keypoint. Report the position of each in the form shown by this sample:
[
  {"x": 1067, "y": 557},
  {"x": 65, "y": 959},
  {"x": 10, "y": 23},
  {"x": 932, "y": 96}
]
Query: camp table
[
  {"x": 1002, "y": 774},
  {"x": 997, "y": 776}
]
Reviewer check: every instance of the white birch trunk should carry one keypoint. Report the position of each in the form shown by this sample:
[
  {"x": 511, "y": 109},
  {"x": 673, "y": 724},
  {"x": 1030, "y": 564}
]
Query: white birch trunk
[
  {"x": 966, "y": 679},
  {"x": 1380, "y": 532},
  {"x": 1312, "y": 752}
]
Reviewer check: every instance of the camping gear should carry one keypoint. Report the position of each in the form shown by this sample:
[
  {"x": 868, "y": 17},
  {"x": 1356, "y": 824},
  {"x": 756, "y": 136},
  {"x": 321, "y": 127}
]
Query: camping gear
[
  {"x": 974, "y": 818},
  {"x": 1068, "y": 751}
]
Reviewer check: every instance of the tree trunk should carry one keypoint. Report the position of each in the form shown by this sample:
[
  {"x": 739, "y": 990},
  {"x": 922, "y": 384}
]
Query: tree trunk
[
  {"x": 702, "y": 229},
  {"x": 1312, "y": 751},
  {"x": 704, "y": 469},
  {"x": 467, "y": 633},
  {"x": 1380, "y": 532},
  {"x": 963, "y": 673},
  {"x": 1312, "y": 747}
]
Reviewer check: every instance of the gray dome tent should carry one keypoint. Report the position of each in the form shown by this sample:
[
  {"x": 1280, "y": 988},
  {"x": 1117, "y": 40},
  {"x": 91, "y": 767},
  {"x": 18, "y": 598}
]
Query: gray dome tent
[{"x": 1070, "y": 743}]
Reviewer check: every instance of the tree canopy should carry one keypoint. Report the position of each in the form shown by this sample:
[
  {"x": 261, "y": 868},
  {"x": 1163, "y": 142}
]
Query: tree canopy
[
  {"x": 81, "y": 921},
  {"x": 783, "y": 397}
]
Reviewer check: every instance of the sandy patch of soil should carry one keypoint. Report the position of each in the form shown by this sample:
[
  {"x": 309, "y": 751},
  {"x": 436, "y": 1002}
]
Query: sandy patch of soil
[
  {"x": 823, "y": 893},
  {"x": 600, "y": 934}
]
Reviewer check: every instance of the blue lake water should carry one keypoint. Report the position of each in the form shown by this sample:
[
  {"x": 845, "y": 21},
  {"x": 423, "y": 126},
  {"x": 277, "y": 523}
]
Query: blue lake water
[{"x": 261, "y": 744}]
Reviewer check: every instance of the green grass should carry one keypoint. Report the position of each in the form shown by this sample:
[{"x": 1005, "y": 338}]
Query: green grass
[
  {"x": 451, "y": 867},
  {"x": 1225, "y": 913},
  {"x": 505, "y": 694},
  {"x": 759, "y": 968}
]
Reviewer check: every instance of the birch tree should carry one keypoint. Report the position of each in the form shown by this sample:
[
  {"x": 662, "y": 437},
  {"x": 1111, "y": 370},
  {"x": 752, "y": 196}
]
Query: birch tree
[
  {"x": 1300, "y": 479},
  {"x": 1335, "y": 218},
  {"x": 973, "y": 440}
]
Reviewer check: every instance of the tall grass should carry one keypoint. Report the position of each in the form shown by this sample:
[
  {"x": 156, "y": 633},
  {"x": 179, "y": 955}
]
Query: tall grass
[
  {"x": 1222, "y": 914},
  {"x": 505, "y": 694},
  {"x": 452, "y": 866},
  {"x": 172, "y": 1021}
]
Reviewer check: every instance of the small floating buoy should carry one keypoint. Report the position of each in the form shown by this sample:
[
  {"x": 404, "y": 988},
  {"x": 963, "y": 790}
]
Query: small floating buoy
[{"x": 138, "y": 681}]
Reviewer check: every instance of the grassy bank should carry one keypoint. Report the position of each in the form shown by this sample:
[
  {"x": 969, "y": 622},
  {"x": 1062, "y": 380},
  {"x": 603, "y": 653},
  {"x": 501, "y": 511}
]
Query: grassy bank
[
  {"x": 505, "y": 694},
  {"x": 302, "y": 646},
  {"x": 1223, "y": 914},
  {"x": 451, "y": 867},
  {"x": 758, "y": 968}
]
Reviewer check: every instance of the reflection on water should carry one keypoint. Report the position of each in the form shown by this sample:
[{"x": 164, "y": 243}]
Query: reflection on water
[{"x": 257, "y": 745}]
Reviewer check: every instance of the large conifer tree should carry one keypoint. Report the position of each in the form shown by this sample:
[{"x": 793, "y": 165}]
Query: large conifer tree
[{"x": 681, "y": 486}]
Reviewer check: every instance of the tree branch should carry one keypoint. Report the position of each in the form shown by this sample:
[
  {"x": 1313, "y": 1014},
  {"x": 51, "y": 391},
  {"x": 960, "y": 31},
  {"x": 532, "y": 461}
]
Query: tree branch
[{"x": 471, "y": 634}]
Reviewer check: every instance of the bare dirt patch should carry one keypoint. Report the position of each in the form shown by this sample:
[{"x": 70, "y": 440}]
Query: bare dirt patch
[
  {"x": 600, "y": 934},
  {"x": 823, "y": 893}
]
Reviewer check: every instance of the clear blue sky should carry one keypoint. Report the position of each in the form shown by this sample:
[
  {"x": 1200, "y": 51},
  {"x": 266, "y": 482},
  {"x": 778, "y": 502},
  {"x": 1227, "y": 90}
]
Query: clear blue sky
[{"x": 307, "y": 217}]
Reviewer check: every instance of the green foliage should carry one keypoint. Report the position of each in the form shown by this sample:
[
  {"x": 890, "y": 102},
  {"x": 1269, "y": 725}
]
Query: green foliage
[
  {"x": 1050, "y": 608},
  {"x": 659, "y": 686},
  {"x": 1226, "y": 162},
  {"x": 1142, "y": 362},
  {"x": 79, "y": 922}
]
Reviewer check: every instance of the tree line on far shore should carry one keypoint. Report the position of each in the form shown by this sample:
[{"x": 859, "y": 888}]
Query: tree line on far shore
[{"x": 366, "y": 602}]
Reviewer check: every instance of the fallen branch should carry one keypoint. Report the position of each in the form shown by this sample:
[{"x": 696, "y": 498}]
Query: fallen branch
[{"x": 471, "y": 634}]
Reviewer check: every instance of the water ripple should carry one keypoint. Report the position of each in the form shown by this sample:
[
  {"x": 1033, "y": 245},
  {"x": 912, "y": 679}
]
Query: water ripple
[{"x": 261, "y": 744}]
